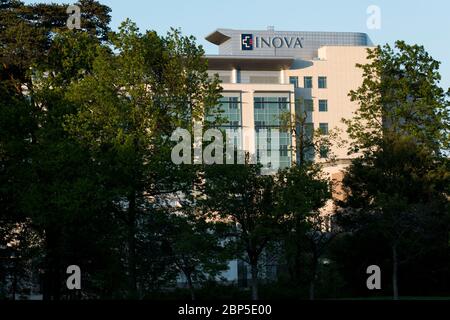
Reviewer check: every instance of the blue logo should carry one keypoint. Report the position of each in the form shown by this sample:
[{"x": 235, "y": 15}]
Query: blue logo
[{"x": 246, "y": 41}]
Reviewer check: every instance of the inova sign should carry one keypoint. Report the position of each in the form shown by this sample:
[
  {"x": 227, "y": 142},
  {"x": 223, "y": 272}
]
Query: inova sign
[{"x": 249, "y": 42}]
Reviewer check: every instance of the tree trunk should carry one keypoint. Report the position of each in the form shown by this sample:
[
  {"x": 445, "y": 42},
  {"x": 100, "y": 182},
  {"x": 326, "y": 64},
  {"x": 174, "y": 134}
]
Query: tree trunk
[
  {"x": 301, "y": 151},
  {"x": 312, "y": 283},
  {"x": 45, "y": 285},
  {"x": 14, "y": 284},
  {"x": 254, "y": 271},
  {"x": 52, "y": 264},
  {"x": 395, "y": 272},
  {"x": 298, "y": 248},
  {"x": 132, "y": 245},
  {"x": 190, "y": 285}
]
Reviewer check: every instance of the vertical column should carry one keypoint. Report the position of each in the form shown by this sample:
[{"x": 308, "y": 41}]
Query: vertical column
[
  {"x": 234, "y": 75},
  {"x": 282, "y": 76},
  {"x": 248, "y": 123},
  {"x": 292, "y": 100}
]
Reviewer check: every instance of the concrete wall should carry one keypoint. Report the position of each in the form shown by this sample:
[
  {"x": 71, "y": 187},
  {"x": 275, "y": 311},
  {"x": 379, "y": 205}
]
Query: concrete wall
[{"x": 338, "y": 65}]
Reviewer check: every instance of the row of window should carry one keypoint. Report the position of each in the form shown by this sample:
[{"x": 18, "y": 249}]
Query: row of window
[
  {"x": 308, "y": 82},
  {"x": 323, "y": 150},
  {"x": 267, "y": 111},
  {"x": 309, "y": 105},
  {"x": 228, "y": 110}
]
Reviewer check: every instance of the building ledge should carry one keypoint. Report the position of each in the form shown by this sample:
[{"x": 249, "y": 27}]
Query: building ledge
[{"x": 254, "y": 63}]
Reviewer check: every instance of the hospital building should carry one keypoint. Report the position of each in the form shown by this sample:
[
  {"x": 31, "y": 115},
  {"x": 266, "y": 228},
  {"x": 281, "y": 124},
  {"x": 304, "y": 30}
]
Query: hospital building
[{"x": 265, "y": 73}]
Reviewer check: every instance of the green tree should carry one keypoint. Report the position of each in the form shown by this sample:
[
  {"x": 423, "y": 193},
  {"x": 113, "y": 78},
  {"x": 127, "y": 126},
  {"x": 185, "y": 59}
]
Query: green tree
[
  {"x": 309, "y": 142},
  {"x": 55, "y": 191},
  {"x": 198, "y": 249},
  {"x": 26, "y": 34},
  {"x": 400, "y": 94},
  {"x": 401, "y": 130},
  {"x": 399, "y": 191},
  {"x": 301, "y": 191},
  {"x": 128, "y": 108},
  {"x": 240, "y": 195}
]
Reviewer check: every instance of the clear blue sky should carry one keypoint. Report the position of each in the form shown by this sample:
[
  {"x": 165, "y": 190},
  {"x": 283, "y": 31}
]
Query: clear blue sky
[{"x": 421, "y": 22}]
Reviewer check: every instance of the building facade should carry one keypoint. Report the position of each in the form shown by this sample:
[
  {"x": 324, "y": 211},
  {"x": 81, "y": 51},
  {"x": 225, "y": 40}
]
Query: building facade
[{"x": 265, "y": 73}]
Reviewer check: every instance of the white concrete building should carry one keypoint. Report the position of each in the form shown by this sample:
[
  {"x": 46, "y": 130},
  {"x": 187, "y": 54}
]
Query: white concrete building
[{"x": 265, "y": 73}]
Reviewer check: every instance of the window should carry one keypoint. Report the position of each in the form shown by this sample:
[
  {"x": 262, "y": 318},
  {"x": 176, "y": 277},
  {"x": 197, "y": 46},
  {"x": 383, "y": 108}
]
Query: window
[
  {"x": 322, "y": 82},
  {"x": 259, "y": 103},
  {"x": 298, "y": 105},
  {"x": 227, "y": 113},
  {"x": 234, "y": 102},
  {"x": 309, "y": 130},
  {"x": 267, "y": 111},
  {"x": 323, "y": 105},
  {"x": 294, "y": 81},
  {"x": 323, "y": 128},
  {"x": 309, "y": 105},
  {"x": 283, "y": 104},
  {"x": 323, "y": 152},
  {"x": 307, "y": 82}
]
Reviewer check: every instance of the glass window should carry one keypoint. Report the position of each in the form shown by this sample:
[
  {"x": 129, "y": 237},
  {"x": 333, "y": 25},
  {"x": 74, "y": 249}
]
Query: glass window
[
  {"x": 259, "y": 103},
  {"x": 228, "y": 111},
  {"x": 298, "y": 105},
  {"x": 227, "y": 117},
  {"x": 322, "y": 82},
  {"x": 307, "y": 82},
  {"x": 323, "y": 128},
  {"x": 323, "y": 151},
  {"x": 309, "y": 129},
  {"x": 294, "y": 81},
  {"x": 323, "y": 105},
  {"x": 283, "y": 104},
  {"x": 267, "y": 111},
  {"x": 309, "y": 105},
  {"x": 234, "y": 102}
]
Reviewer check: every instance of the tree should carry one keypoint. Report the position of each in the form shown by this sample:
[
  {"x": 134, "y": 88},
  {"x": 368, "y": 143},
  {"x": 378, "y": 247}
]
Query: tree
[
  {"x": 400, "y": 94},
  {"x": 26, "y": 32},
  {"x": 128, "y": 108},
  {"x": 198, "y": 249},
  {"x": 19, "y": 243},
  {"x": 238, "y": 194},
  {"x": 58, "y": 192},
  {"x": 319, "y": 237},
  {"x": 399, "y": 191},
  {"x": 309, "y": 142},
  {"x": 64, "y": 191},
  {"x": 401, "y": 131},
  {"x": 301, "y": 192}
]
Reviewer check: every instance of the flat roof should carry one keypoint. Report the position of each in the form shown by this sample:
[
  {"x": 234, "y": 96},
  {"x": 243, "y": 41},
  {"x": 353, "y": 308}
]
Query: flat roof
[
  {"x": 256, "y": 63},
  {"x": 221, "y": 35},
  {"x": 302, "y": 45}
]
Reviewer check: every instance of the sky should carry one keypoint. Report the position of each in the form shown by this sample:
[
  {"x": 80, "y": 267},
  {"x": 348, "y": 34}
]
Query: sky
[{"x": 417, "y": 22}]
